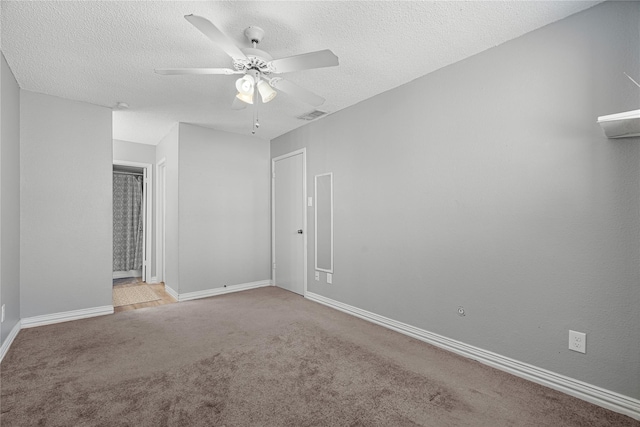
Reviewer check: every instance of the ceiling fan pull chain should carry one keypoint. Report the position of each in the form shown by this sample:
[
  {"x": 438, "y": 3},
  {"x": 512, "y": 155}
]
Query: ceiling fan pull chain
[{"x": 256, "y": 125}]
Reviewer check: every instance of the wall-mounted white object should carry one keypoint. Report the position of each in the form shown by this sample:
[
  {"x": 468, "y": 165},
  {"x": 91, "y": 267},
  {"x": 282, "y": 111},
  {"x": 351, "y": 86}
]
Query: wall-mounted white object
[
  {"x": 578, "y": 341},
  {"x": 621, "y": 125},
  {"x": 324, "y": 222}
]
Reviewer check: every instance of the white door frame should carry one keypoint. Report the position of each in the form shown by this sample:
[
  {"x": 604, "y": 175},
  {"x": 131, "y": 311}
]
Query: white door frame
[
  {"x": 302, "y": 151},
  {"x": 148, "y": 191},
  {"x": 161, "y": 205}
]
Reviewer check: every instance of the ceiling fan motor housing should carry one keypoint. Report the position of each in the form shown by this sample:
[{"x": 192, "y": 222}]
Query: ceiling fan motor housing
[{"x": 256, "y": 60}]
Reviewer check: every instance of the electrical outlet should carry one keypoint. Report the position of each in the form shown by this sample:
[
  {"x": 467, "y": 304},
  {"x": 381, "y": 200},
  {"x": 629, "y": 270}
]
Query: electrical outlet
[
  {"x": 2, "y": 317},
  {"x": 317, "y": 275},
  {"x": 577, "y": 341},
  {"x": 329, "y": 278}
]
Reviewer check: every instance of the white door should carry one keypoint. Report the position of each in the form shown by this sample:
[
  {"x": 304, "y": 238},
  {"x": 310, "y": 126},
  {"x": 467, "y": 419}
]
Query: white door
[{"x": 289, "y": 222}]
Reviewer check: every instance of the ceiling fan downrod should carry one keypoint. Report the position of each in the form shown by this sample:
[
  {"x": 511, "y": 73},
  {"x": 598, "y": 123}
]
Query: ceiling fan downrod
[{"x": 254, "y": 34}]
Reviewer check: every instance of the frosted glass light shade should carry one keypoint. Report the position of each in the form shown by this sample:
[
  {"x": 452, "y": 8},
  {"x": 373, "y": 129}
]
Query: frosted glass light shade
[
  {"x": 245, "y": 84},
  {"x": 248, "y": 98},
  {"x": 266, "y": 91}
]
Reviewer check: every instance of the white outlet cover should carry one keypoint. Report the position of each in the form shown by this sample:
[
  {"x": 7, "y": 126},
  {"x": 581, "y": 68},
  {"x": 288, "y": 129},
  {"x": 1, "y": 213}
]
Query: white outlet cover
[
  {"x": 329, "y": 278},
  {"x": 318, "y": 275},
  {"x": 309, "y": 201},
  {"x": 578, "y": 341}
]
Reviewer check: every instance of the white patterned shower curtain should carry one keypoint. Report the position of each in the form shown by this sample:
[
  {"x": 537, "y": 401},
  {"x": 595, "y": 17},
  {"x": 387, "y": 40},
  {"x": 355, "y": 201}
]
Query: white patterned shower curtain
[{"x": 127, "y": 222}]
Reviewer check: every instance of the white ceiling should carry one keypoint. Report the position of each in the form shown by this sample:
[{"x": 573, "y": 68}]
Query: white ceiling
[{"x": 103, "y": 52}]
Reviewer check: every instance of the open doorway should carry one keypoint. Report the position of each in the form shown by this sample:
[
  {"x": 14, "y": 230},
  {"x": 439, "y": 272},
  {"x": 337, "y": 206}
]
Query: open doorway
[
  {"x": 131, "y": 222},
  {"x": 133, "y": 285},
  {"x": 132, "y": 235}
]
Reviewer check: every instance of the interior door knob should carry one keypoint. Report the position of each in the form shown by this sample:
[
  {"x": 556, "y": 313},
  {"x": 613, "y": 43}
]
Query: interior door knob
[{"x": 299, "y": 231}]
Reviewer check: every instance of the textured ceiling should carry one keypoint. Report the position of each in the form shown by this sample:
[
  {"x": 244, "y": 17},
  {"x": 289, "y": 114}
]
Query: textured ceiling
[{"x": 103, "y": 52}]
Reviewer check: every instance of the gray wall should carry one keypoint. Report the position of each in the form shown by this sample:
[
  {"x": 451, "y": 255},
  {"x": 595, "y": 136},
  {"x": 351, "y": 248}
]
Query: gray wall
[
  {"x": 488, "y": 184},
  {"x": 167, "y": 149},
  {"x": 9, "y": 198},
  {"x": 225, "y": 214},
  {"x": 141, "y": 153},
  {"x": 134, "y": 152},
  {"x": 66, "y": 199}
]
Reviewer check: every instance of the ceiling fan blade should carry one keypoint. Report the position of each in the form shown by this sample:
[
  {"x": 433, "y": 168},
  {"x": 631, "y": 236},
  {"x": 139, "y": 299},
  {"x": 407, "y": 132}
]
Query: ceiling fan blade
[
  {"x": 176, "y": 71},
  {"x": 296, "y": 91},
  {"x": 306, "y": 61},
  {"x": 237, "y": 104},
  {"x": 216, "y": 36}
]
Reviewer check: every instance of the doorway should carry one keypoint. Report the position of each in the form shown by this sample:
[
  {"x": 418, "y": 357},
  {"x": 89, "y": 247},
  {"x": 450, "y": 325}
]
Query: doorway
[
  {"x": 289, "y": 221},
  {"x": 132, "y": 237},
  {"x": 132, "y": 220}
]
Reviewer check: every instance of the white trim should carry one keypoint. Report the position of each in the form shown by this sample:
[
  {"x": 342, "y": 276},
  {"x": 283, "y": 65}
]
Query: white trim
[
  {"x": 147, "y": 208},
  {"x": 9, "y": 340},
  {"x": 302, "y": 151},
  {"x": 634, "y": 114},
  {"x": 134, "y": 164},
  {"x": 161, "y": 194},
  {"x": 219, "y": 291},
  {"x": 597, "y": 395},
  {"x": 273, "y": 220},
  {"x": 171, "y": 292},
  {"x": 304, "y": 216},
  {"x": 123, "y": 274},
  {"x": 66, "y": 316}
]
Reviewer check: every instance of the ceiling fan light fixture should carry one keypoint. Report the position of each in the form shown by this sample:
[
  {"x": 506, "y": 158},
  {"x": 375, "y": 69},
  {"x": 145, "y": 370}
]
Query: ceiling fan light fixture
[
  {"x": 245, "y": 97},
  {"x": 266, "y": 91},
  {"x": 245, "y": 84}
]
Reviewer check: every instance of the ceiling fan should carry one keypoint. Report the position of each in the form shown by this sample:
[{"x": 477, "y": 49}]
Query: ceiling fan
[{"x": 260, "y": 71}]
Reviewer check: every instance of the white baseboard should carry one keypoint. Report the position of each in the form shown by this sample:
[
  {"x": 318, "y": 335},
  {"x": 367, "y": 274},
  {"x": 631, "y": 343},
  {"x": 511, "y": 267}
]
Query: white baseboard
[
  {"x": 7, "y": 343},
  {"x": 219, "y": 291},
  {"x": 597, "y": 395},
  {"x": 66, "y": 316},
  {"x": 171, "y": 292}
]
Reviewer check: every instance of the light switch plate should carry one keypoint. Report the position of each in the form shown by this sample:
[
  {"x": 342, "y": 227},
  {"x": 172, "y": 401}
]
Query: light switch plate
[
  {"x": 329, "y": 278},
  {"x": 309, "y": 201},
  {"x": 317, "y": 275}
]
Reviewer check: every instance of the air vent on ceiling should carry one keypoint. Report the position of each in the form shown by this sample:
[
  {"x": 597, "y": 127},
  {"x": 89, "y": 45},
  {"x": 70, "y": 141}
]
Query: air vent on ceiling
[{"x": 312, "y": 115}]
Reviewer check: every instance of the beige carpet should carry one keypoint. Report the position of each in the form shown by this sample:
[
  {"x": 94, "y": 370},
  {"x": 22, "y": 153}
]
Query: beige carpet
[
  {"x": 127, "y": 295},
  {"x": 264, "y": 357}
]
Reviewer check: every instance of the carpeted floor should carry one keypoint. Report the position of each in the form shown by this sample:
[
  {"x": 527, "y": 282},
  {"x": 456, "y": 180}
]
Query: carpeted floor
[{"x": 264, "y": 357}]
